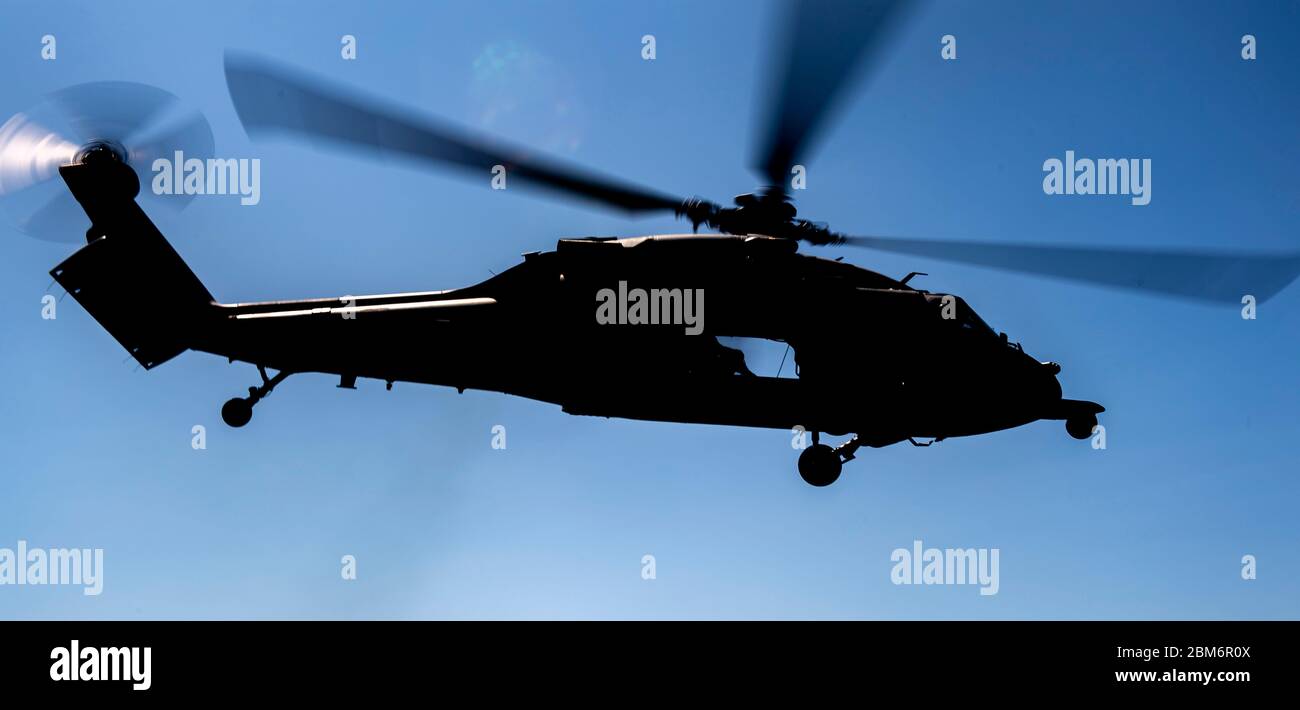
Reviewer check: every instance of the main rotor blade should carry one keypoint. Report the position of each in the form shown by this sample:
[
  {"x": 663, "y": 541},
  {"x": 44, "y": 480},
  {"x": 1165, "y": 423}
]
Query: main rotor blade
[
  {"x": 271, "y": 98},
  {"x": 823, "y": 42},
  {"x": 1221, "y": 277}
]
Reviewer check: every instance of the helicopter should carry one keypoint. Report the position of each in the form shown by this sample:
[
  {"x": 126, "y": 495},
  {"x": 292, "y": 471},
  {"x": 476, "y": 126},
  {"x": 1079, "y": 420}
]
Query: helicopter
[{"x": 622, "y": 327}]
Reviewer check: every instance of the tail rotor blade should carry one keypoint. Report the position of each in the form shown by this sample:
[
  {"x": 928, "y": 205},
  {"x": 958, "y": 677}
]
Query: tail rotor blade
[{"x": 144, "y": 121}]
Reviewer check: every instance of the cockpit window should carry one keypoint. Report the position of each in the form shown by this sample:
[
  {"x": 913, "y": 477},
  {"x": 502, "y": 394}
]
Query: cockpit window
[
  {"x": 969, "y": 319},
  {"x": 956, "y": 310}
]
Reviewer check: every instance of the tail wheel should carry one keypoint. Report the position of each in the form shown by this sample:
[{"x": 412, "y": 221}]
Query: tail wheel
[
  {"x": 237, "y": 412},
  {"x": 820, "y": 465}
]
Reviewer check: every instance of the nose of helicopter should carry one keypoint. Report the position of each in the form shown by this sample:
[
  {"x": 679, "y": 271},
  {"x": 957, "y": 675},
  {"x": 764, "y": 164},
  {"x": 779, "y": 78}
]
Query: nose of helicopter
[
  {"x": 1051, "y": 386},
  {"x": 1039, "y": 378}
]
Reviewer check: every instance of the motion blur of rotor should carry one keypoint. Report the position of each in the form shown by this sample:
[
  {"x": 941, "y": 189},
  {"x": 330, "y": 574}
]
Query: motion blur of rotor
[
  {"x": 136, "y": 123},
  {"x": 822, "y": 47}
]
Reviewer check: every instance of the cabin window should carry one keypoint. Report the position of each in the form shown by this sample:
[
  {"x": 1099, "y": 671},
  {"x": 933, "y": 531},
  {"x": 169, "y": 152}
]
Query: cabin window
[{"x": 763, "y": 356}]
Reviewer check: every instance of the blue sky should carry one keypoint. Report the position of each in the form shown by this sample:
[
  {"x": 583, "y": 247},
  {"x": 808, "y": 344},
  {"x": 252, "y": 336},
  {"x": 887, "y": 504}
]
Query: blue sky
[{"x": 1200, "y": 463}]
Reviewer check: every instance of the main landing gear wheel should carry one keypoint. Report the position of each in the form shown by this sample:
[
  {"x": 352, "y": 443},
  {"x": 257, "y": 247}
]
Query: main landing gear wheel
[
  {"x": 820, "y": 465},
  {"x": 239, "y": 411},
  {"x": 1080, "y": 426}
]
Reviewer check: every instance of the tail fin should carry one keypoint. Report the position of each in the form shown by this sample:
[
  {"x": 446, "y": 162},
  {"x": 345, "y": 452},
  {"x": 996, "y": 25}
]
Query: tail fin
[{"x": 127, "y": 276}]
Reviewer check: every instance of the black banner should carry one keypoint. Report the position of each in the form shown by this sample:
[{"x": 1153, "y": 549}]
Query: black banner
[{"x": 333, "y": 659}]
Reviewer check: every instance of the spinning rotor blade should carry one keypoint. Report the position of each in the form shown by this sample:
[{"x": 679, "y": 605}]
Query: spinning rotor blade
[
  {"x": 1221, "y": 277},
  {"x": 112, "y": 110},
  {"x": 145, "y": 122},
  {"x": 824, "y": 40},
  {"x": 30, "y": 154},
  {"x": 271, "y": 98}
]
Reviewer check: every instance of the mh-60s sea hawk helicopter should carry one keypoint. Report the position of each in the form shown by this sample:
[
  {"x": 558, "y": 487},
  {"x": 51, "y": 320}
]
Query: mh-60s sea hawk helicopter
[{"x": 923, "y": 365}]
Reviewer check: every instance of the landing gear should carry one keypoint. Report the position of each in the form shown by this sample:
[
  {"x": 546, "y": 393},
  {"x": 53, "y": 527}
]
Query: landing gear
[
  {"x": 1080, "y": 426},
  {"x": 820, "y": 465},
  {"x": 238, "y": 411}
]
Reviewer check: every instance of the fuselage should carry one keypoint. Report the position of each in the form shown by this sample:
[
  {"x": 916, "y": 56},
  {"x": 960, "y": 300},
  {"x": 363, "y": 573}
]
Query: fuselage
[{"x": 874, "y": 356}]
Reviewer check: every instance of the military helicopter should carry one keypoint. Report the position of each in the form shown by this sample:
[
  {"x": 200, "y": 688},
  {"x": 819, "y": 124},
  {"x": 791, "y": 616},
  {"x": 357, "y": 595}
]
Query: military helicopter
[{"x": 624, "y": 327}]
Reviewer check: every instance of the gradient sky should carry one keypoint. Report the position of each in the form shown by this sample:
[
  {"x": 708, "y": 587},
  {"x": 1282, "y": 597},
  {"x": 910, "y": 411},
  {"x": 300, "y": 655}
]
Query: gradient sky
[{"x": 1202, "y": 405}]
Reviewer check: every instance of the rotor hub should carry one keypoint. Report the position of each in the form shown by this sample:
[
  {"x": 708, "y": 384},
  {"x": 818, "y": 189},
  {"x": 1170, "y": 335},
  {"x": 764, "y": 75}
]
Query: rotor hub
[
  {"x": 100, "y": 150},
  {"x": 769, "y": 205}
]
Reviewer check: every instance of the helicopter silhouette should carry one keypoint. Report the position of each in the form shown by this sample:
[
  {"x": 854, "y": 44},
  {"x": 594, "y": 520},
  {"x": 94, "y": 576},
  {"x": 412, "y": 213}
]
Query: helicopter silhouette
[{"x": 629, "y": 327}]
